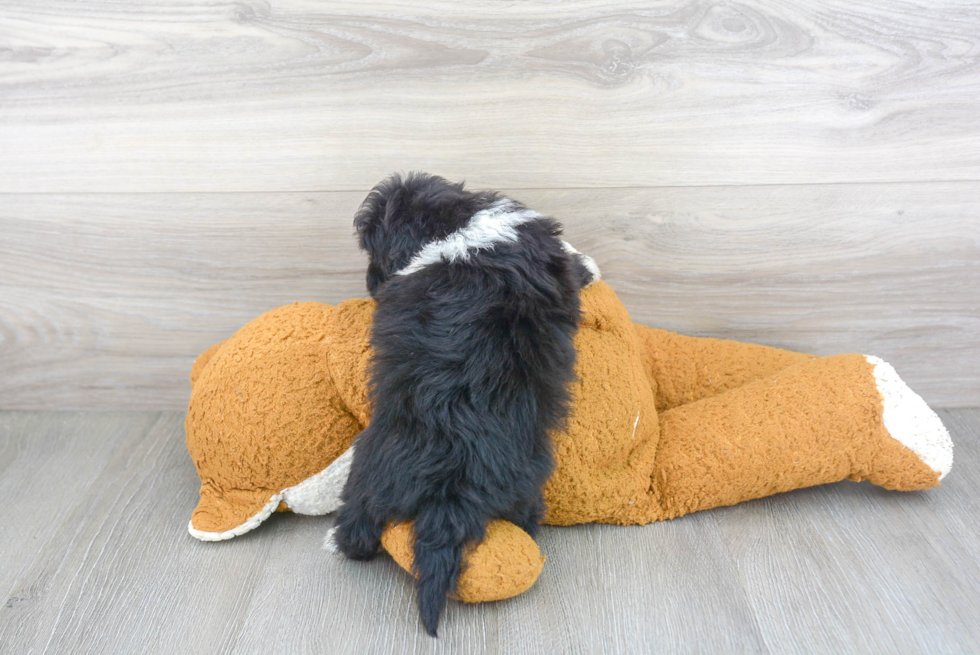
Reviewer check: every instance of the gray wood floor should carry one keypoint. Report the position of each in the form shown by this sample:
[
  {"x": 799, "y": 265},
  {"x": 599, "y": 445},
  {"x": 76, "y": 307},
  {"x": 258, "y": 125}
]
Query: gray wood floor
[{"x": 95, "y": 558}]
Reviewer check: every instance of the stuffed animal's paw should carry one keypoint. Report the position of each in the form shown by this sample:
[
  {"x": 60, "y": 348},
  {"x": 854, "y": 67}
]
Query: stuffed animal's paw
[{"x": 505, "y": 564}]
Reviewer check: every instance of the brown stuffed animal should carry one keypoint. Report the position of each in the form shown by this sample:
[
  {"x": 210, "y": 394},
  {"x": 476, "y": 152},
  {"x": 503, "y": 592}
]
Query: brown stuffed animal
[{"x": 662, "y": 425}]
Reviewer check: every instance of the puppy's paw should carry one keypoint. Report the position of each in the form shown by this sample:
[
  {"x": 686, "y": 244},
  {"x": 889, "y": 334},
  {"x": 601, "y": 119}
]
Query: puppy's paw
[{"x": 355, "y": 541}]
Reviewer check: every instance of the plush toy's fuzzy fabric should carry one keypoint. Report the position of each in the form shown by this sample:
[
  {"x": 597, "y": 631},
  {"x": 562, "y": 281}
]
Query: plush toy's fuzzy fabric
[
  {"x": 271, "y": 410},
  {"x": 506, "y": 563},
  {"x": 662, "y": 425}
]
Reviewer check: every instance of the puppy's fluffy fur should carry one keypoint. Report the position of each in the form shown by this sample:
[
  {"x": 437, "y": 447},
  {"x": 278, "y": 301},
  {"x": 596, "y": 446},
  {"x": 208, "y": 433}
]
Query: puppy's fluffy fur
[{"x": 477, "y": 306}]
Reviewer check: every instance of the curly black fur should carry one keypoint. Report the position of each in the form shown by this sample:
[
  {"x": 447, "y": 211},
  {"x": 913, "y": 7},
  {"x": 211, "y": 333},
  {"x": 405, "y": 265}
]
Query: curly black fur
[{"x": 472, "y": 362}]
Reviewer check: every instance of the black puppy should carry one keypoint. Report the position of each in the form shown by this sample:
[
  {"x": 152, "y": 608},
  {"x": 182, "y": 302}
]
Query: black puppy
[{"x": 477, "y": 306}]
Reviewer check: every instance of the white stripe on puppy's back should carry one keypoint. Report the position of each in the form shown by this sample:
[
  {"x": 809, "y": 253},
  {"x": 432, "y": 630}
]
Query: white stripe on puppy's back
[{"x": 487, "y": 227}]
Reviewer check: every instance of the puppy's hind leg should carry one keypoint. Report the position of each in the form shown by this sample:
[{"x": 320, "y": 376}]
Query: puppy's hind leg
[{"x": 357, "y": 532}]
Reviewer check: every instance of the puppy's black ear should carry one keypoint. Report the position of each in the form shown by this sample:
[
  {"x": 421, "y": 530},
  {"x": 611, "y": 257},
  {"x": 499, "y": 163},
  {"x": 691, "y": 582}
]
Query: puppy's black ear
[
  {"x": 372, "y": 215},
  {"x": 373, "y": 234},
  {"x": 400, "y": 215},
  {"x": 375, "y": 278}
]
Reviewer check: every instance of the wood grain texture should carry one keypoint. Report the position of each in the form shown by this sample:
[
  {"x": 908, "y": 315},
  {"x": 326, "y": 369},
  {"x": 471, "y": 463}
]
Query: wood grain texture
[
  {"x": 105, "y": 300},
  {"x": 297, "y": 95},
  {"x": 120, "y": 574},
  {"x": 102, "y": 563},
  {"x": 49, "y": 482}
]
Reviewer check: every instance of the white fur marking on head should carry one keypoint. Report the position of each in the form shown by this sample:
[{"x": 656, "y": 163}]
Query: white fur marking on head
[
  {"x": 909, "y": 420},
  {"x": 589, "y": 263},
  {"x": 486, "y": 228}
]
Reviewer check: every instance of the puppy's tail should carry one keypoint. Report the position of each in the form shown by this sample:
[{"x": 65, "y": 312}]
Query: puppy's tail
[{"x": 441, "y": 534}]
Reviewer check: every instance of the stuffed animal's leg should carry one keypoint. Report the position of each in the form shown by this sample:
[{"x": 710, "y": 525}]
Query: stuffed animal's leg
[
  {"x": 684, "y": 369},
  {"x": 505, "y": 564},
  {"x": 820, "y": 421}
]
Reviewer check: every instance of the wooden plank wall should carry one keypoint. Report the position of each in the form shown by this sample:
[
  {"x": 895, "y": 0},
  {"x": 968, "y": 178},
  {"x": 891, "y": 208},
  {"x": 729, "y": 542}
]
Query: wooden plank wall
[{"x": 805, "y": 175}]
